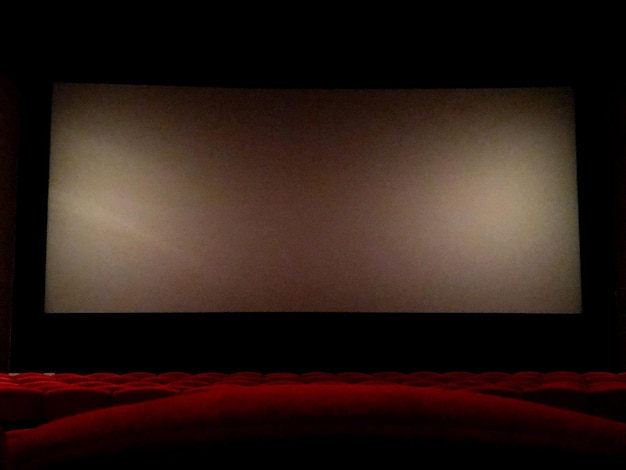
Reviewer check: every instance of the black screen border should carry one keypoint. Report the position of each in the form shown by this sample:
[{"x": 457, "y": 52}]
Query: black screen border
[{"x": 309, "y": 341}]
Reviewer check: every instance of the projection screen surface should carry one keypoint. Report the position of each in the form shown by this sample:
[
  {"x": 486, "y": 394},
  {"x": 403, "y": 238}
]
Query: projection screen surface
[{"x": 200, "y": 199}]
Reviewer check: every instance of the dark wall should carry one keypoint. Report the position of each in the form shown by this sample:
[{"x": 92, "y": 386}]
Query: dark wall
[
  {"x": 9, "y": 133},
  {"x": 619, "y": 148}
]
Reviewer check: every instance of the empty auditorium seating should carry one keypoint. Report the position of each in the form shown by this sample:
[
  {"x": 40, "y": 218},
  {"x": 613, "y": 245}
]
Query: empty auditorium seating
[
  {"x": 313, "y": 421},
  {"x": 32, "y": 398}
]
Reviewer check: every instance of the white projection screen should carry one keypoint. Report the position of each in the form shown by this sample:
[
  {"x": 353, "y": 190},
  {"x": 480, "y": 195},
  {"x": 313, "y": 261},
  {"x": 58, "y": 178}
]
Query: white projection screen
[{"x": 208, "y": 199}]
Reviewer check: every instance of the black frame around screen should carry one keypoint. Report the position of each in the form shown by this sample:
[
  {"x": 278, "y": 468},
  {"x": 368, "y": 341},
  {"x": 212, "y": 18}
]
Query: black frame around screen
[{"x": 315, "y": 341}]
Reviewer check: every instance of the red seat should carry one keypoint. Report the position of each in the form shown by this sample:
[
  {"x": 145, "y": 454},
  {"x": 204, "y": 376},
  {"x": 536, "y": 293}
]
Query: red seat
[
  {"x": 20, "y": 404},
  {"x": 71, "y": 400},
  {"x": 387, "y": 425},
  {"x": 570, "y": 395},
  {"x": 137, "y": 392}
]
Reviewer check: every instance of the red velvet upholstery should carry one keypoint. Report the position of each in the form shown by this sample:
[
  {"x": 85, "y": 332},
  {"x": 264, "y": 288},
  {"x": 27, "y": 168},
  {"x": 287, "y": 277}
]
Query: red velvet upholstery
[
  {"x": 330, "y": 424},
  {"x": 31, "y": 398}
]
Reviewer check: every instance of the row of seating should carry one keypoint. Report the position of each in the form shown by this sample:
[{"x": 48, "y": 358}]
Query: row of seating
[
  {"x": 320, "y": 424},
  {"x": 32, "y": 398}
]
